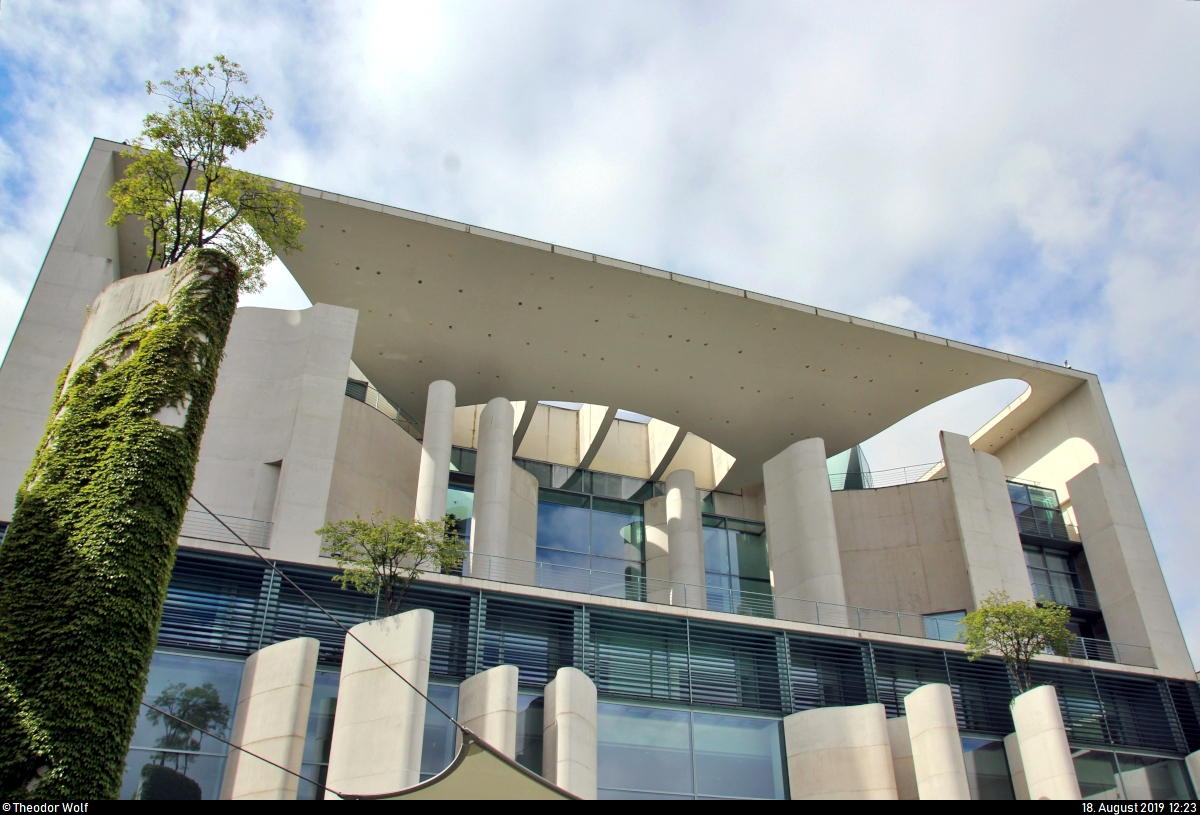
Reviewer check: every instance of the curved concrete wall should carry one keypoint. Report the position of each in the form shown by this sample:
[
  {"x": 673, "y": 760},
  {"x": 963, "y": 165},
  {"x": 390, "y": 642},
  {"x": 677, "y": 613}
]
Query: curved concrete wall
[
  {"x": 437, "y": 438},
  {"x": 937, "y": 754},
  {"x": 839, "y": 753},
  {"x": 1042, "y": 740},
  {"x": 374, "y": 467}
]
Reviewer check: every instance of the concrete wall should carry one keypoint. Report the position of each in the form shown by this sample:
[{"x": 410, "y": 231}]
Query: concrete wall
[
  {"x": 937, "y": 752},
  {"x": 487, "y": 706},
  {"x": 271, "y": 721},
  {"x": 625, "y": 450},
  {"x": 82, "y": 260},
  {"x": 569, "y": 738},
  {"x": 279, "y": 400},
  {"x": 749, "y": 503},
  {"x": 902, "y": 759},
  {"x": 991, "y": 545},
  {"x": 1042, "y": 742},
  {"x": 900, "y": 548},
  {"x": 374, "y": 467},
  {"x": 839, "y": 753},
  {"x": 1124, "y": 569}
]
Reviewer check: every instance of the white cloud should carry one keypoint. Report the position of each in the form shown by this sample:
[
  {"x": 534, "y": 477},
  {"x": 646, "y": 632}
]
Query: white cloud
[{"x": 1020, "y": 176}]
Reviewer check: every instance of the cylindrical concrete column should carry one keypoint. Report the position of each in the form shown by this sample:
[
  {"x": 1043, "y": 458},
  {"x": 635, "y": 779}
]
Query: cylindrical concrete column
[
  {"x": 493, "y": 488},
  {"x": 1045, "y": 753},
  {"x": 839, "y": 753},
  {"x": 685, "y": 541},
  {"x": 936, "y": 747},
  {"x": 271, "y": 721},
  {"x": 658, "y": 552},
  {"x": 380, "y": 721},
  {"x": 902, "y": 759},
  {"x": 1192, "y": 762},
  {"x": 1016, "y": 770},
  {"x": 487, "y": 706},
  {"x": 433, "y": 479},
  {"x": 802, "y": 536},
  {"x": 569, "y": 745}
]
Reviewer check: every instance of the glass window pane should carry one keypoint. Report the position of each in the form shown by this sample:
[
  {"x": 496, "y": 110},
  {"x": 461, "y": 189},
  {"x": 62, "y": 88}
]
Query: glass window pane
[
  {"x": 1149, "y": 778},
  {"x": 644, "y": 749},
  {"x": 716, "y": 550},
  {"x": 437, "y": 750},
  {"x": 1058, "y": 562},
  {"x": 617, "y": 530},
  {"x": 151, "y": 775},
  {"x": 1034, "y": 558},
  {"x": 320, "y": 717},
  {"x": 1097, "y": 776},
  {"x": 530, "y": 710},
  {"x": 738, "y": 757},
  {"x": 566, "y": 571},
  {"x": 752, "y": 558},
  {"x": 563, "y": 527},
  {"x": 1017, "y": 493},
  {"x": 460, "y": 503},
  {"x": 987, "y": 770},
  {"x": 1040, "y": 497},
  {"x": 203, "y": 691}
]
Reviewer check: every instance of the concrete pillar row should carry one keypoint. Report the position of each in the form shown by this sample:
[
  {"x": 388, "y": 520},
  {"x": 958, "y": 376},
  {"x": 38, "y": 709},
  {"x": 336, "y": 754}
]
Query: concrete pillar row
[
  {"x": 805, "y": 560},
  {"x": 493, "y": 487},
  {"x": 1042, "y": 741},
  {"x": 685, "y": 540},
  {"x": 437, "y": 441},
  {"x": 487, "y": 706},
  {"x": 569, "y": 741},
  {"x": 271, "y": 721},
  {"x": 937, "y": 754},
  {"x": 839, "y": 753},
  {"x": 380, "y": 722}
]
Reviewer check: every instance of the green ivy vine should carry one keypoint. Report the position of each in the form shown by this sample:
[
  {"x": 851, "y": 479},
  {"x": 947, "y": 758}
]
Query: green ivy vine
[{"x": 85, "y": 565}]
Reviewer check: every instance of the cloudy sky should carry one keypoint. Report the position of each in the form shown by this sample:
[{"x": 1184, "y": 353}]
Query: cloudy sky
[{"x": 1020, "y": 176}]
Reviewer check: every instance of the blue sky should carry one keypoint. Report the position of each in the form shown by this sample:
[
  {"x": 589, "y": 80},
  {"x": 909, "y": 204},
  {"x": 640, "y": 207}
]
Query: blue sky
[{"x": 1024, "y": 176}]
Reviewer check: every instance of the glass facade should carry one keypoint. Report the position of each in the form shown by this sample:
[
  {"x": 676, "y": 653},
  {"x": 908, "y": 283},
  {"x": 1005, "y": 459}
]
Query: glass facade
[
  {"x": 987, "y": 770},
  {"x": 1037, "y": 511},
  {"x": 944, "y": 626},
  {"x": 1105, "y": 776},
  {"x": 170, "y": 760},
  {"x": 737, "y": 569},
  {"x": 1054, "y": 577},
  {"x": 593, "y": 544},
  {"x": 530, "y": 709},
  {"x": 647, "y": 752}
]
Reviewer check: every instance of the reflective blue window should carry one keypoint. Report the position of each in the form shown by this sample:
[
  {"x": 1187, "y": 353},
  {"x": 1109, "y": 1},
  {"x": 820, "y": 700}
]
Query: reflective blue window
[
  {"x": 441, "y": 736},
  {"x": 987, "y": 770},
  {"x": 172, "y": 760},
  {"x": 649, "y": 752},
  {"x": 944, "y": 626},
  {"x": 530, "y": 711},
  {"x": 737, "y": 568},
  {"x": 590, "y": 544}
]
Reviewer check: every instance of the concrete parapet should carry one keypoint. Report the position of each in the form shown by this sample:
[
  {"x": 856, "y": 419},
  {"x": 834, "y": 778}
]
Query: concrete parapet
[
  {"x": 569, "y": 745},
  {"x": 839, "y": 753},
  {"x": 802, "y": 535},
  {"x": 271, "y": 721},
  {"x": 1042, "y": 739},
  {"x": 487, "y": 706},
  {"x": 380, "y": 721},
  {"x": 936, "y": 747},
  {"x": 437, "y": 439},
  {"x": 902, "y": 759}
]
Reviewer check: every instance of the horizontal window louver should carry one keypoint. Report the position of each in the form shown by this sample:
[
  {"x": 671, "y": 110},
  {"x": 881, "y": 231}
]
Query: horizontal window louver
[
  {"x": 900, "y": 672},
  {"x": 735, "y": 667},
  {"x": 1185, "y": 697},
  {"x": 538, "y": 639},
  {"x": 1138, "y": 712},
  {"x": 215, "y": 604},
  {"x": 639, "y": 656},
  {"x": 828, "y": 673},
  {"x": 982, "y": 690}
]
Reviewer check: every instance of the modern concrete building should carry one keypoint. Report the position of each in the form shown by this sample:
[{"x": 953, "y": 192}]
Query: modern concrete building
[{"x": 691, "y": 581}]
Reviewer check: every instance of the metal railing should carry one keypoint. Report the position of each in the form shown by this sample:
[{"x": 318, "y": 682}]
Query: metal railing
[
  {"x": 1051, "y": 524},
  {"x": 202, "y": 526},
  {"x": 1067, "y": 596},
  {"x": 894, "y": 477},
  {"x": 366, "y": 393},
  {"x": 752, "y": 604}
]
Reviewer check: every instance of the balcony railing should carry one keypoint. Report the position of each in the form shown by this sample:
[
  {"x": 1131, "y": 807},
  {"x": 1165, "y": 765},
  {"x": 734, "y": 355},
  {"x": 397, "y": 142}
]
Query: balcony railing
[
  {"x": 1047, "y": 523},
  {"x": 202, "y": 526},
  {"x": 894, "y": 477},
  {"x": 752, "y": 604},
  {"x": 366, "y": 393},
  {"x": 1067, "y": 596}
]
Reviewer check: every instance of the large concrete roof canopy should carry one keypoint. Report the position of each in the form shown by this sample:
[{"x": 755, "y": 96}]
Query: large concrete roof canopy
[{"x": 499, "y": 315}]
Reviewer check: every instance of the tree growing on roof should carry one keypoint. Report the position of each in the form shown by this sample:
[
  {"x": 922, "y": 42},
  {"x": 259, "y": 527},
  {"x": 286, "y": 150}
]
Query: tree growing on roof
[{"x": 1016, "y": 631}]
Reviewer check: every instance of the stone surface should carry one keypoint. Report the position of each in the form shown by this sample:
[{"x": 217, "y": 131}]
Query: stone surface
[
  {"x": 805, "y": 561},
  {"x": 902, "y": 759},
  {"x": 839, "y": 753},
  {"x": 569, "y": 746},
  {"x": 487, "y": 706},
  {"x": 271, "y": 721},
  {"x": 380, "y": 721},
  {"x": 437, "y": 439},
  {"x": 937, "y": 755},
  {"x": 1016, "y": 769},
  {"x": 1042, "y": 740}
]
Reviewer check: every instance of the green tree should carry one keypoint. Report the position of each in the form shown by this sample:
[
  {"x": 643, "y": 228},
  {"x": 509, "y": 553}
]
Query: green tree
[
  {"x": 197, "y": 709},
  {"x": 1016, "y": 631},
  {"x": 180, "y": 183},
  {"x": 385, "y": 556}
]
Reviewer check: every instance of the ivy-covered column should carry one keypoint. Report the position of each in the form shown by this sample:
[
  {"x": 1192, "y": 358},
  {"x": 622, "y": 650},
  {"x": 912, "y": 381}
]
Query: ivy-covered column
[{"x": 85, "y": 565}]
